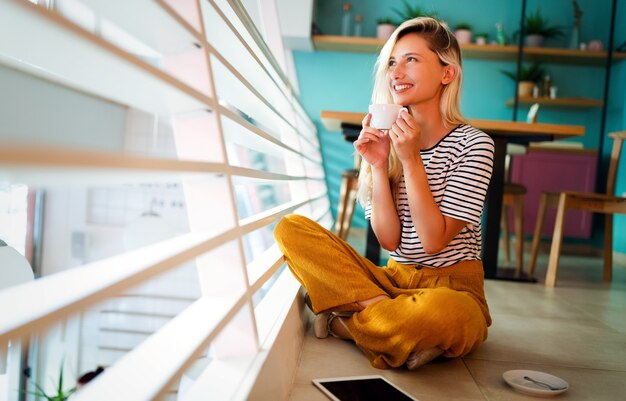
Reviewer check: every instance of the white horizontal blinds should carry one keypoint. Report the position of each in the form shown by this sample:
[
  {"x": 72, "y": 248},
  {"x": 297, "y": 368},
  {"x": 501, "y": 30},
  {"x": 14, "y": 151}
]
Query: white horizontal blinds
[
  {"x": 119, "y": 71},
  {"x": 199, "y": 129},
  {"x": 241, "y": 25},
  {"x": 157, "y": 35}
]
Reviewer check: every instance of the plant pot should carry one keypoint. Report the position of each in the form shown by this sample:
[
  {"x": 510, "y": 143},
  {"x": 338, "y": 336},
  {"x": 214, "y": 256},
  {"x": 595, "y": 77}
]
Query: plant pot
[
  {"x": 481, "y": 40},
  {"x": 463, "y": 36},
  {"x": 533, "y": 40},
  {"x": 384, "y": 31},
  {"x": 525, "y": 88}
]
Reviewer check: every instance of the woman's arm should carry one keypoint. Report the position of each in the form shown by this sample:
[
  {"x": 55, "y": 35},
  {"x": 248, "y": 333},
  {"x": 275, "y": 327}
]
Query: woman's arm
[
  {"x": 433, "y": 228},
  {"x": 385, "y": 221},
  {"x": 373, "y": 145}
]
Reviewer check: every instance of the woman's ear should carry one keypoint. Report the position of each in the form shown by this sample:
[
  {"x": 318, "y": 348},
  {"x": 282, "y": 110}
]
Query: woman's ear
[{"x": 449, "y": 74}]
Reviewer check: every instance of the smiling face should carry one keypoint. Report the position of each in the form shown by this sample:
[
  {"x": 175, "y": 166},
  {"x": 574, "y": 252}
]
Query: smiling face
[{"x": 415, "y": 74}]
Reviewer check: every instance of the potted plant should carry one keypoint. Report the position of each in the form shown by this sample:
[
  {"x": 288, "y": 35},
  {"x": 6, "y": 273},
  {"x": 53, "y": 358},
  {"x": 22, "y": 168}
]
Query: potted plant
[
  {"x": 527, "y": 78},
  {"x": 384, "y": 28},
  {"x": 481, "y": 38},
  {"x": 463, "y": 33},
  {"x": 60, "y": 393},
  {"x": 409, "y": 12},
  {"x": 537, "y": 28}
]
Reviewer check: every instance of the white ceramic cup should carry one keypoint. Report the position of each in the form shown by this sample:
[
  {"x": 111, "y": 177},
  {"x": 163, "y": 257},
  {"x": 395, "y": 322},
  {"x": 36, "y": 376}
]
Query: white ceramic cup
[{"x": 384, "y": 115}]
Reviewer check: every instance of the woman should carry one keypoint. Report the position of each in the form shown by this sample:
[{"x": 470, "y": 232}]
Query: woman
[{"x": 423, "y": 183}]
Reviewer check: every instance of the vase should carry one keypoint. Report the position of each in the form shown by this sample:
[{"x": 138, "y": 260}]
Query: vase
[
  {"x": 463, "y": 36},
  {"x": 574, "y": 41},
  {"x": 533, "y": 40},
  {"x": 525, "y": 88},
  {"x": 384, "y": 31}
]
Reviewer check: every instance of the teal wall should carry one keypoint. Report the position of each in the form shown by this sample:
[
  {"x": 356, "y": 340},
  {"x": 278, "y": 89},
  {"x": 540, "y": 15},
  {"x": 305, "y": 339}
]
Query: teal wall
[{"x": 343, "y": 81}]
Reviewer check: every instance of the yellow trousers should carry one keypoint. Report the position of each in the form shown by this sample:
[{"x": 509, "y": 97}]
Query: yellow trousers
[{"x": 428, "y": 308}]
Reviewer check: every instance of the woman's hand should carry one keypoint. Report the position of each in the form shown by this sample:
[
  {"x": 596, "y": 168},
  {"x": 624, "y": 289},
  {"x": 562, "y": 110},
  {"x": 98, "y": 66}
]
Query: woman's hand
[
  {"x": 373, "y": 144},
  {"x": 405, "y": 134}
]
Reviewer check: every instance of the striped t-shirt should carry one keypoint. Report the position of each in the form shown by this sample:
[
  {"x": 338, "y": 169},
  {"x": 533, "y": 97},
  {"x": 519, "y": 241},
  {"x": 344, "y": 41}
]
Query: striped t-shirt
[{"x": 458, "y": 169}]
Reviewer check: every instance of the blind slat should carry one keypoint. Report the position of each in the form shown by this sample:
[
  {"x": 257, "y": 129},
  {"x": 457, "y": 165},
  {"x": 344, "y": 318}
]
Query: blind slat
[{"x": 142, "y": 85}]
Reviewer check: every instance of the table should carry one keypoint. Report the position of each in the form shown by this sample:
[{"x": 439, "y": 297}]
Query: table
[{"x": 502, "y": 132}]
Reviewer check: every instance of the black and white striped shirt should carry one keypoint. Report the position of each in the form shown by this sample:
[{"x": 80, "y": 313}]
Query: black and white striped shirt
[{"x": 458, "y": 169}]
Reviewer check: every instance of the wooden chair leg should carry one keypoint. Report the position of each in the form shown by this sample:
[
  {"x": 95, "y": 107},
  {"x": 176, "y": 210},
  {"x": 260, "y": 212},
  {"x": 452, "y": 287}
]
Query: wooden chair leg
[
  {"x": 349, "y": 213},
  {"x": 341, "y": 207},
  {"x": 519, "y": 233},
  {"x": 608, "y": 247},
  {"x": 557, "y": 241},
  {"x": 506, "y": 242},
  {"x": 534, "y": 249}
]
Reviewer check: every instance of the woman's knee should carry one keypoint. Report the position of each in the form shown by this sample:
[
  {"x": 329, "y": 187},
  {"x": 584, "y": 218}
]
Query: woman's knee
[
  {"x": 449, "y": 306},
  {"x": 289, "y": 225}
]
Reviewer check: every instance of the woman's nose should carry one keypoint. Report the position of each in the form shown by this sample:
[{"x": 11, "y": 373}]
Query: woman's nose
[{"x": 398, "y": 71}]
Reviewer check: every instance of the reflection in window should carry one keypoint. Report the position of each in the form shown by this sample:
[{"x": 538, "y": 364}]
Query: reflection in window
[{"x": 13, "y": 215}]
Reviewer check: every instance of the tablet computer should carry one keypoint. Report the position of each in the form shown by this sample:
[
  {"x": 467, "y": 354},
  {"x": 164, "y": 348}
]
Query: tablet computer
[{"x": 361, "y": 388}]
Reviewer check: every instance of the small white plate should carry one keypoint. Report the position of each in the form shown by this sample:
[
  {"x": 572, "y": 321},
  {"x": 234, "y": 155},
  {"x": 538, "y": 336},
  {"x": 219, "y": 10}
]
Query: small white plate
[{"x": 515, "y": 379}]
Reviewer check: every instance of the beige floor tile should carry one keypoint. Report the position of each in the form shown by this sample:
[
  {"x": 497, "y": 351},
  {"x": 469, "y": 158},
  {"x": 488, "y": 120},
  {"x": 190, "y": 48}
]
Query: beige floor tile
[
  {"x": 306, "y": 392},
  {"x": 441, "y": 380},
  {"x": 613, "y": 315},
  {"x": 532, "y": 300},
  {"x": 585, "y": 384},
  {"x": 584, "y": 343}
]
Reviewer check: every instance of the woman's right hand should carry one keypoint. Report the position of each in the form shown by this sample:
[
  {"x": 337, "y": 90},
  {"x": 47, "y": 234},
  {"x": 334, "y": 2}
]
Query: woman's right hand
[{"x": 373, "y": 144}]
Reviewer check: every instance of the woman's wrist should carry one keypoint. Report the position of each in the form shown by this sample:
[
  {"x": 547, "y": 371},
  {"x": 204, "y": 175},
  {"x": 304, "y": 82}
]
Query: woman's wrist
[
  {"x": 412, "y": 164},
  {"x": 380, "y": 169}
]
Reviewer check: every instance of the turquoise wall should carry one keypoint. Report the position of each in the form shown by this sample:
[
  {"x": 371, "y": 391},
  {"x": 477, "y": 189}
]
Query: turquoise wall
[{"x": 343, "y": 81}]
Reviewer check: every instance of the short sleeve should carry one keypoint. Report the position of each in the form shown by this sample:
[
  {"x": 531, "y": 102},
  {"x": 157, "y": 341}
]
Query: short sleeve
[{"x": 465, "y": 193}]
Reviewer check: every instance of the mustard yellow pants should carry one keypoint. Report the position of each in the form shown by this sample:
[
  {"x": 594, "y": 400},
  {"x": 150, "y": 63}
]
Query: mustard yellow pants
[{"x": 428, "y": 308}]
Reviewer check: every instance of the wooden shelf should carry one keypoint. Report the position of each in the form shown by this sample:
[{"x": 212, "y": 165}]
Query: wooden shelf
[
  {"x": 474, "y": 51},
  {"x": 347, "y": 44},
  {"x": 558, "y": 102}
]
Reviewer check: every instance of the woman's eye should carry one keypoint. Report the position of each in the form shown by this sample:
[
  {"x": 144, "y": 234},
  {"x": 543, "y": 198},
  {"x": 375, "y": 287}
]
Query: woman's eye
[
  {"x": 411, "y": 59},
  {"x": 391, "y": 63}
]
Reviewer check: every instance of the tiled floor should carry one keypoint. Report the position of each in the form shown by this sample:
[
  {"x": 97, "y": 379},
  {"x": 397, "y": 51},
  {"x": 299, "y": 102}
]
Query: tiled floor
[{"x": 576, "y": 331}]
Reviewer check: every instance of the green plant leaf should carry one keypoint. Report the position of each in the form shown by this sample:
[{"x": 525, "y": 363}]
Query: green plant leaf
[
  {"x": 533, "y": 73},
  {"x": 61, "y": 394},
  {"x": 409, "y": 12},
  {"x": 536, "y": 24}
]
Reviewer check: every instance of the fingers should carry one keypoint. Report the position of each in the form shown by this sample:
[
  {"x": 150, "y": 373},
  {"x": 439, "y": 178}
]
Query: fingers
[
  {"x": 366, "y": 120},
  {"x": 403, "y": 125},
  {"x": 407, "y": 118},
  {"x": 371, "y": 132}
]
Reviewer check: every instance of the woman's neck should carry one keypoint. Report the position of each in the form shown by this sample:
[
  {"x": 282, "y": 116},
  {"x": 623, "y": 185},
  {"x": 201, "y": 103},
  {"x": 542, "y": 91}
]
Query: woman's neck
[{"x": 431, "y": 123}]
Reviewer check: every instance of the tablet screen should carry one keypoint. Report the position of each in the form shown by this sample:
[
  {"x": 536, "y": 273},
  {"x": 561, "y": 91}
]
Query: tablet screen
[{"x": 362, "y": 389}]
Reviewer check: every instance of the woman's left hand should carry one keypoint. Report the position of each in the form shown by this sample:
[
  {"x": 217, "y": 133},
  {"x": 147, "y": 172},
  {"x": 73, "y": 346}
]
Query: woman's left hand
[{"x": 405, "y": 134}]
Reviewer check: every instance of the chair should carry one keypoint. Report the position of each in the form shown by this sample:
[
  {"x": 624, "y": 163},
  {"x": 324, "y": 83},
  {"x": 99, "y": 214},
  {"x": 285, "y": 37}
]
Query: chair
[
  {"x": 600, "y": 203},
  {"x": 514, "y": 195},
  {"x": 347, "y": 200}
]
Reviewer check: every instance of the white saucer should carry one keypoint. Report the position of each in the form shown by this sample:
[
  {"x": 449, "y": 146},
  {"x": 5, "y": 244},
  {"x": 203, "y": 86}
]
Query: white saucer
[{"x": 515, "y": 379}]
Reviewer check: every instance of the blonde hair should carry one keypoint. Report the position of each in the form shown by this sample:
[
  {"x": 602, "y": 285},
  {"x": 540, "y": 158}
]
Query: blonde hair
[{"x": 443, "y": 43}]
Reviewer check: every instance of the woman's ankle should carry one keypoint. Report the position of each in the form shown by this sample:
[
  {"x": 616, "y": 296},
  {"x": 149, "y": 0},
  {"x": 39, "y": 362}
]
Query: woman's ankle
[
  {"x": 339, "y": 328},
  {"x": 371, "y": 301}
]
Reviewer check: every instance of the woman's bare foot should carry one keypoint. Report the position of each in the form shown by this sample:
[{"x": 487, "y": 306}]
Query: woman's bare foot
[{"x": 420, "y": 358}]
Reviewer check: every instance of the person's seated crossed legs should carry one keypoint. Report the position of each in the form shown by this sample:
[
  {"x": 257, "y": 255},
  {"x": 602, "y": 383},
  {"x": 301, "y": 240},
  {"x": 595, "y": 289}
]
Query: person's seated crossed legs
[{"x": 334, "y": 324}]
